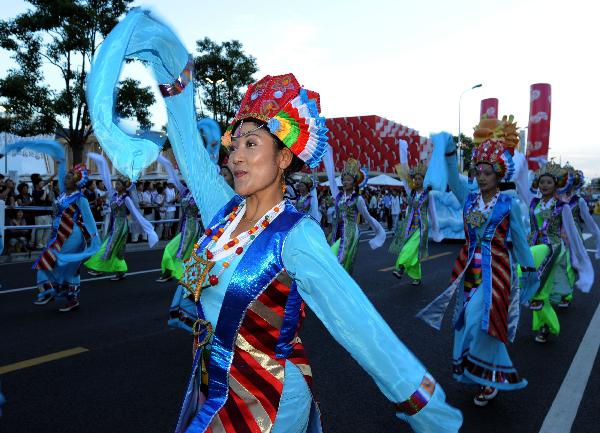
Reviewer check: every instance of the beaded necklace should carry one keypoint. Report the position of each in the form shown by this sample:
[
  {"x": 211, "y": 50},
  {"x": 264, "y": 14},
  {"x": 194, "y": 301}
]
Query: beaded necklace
[
  {"x": 479, "y": 211},
  {"x": 234, "y": 247}
]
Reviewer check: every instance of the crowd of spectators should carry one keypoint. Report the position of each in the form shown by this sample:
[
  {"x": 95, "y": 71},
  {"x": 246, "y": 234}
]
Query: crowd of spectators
[{"x": 157, "y": 201}]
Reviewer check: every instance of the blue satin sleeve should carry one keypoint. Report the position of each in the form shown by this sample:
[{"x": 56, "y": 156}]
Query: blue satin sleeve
[
  {"x": 90, "y": 225},
  {"x": 209, "y": 188},
  {"x": 529, "y": 281},
  {"x": 519, "y": 238},
  {"x": 354, "y": 323},
  {"x": 456, "y": 184}
]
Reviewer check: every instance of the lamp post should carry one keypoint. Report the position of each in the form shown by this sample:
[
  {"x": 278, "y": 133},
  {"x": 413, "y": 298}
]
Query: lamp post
[{"x": 460, "y": 150}]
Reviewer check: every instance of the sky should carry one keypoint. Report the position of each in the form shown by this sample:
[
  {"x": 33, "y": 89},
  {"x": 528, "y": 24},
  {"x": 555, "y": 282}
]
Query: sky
[{"x": 409, "y": 61}]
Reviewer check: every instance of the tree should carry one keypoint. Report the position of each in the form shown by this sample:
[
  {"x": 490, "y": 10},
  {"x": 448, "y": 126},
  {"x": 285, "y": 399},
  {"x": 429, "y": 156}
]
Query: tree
[
  {"x": 221, "y": 72},
  {"x": 66, "y": 35}
]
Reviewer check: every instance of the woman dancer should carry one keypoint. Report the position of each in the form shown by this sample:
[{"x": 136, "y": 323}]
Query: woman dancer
[
  {"x": 74, "y": 236},
  {"x": 260, "y": 260},
  {"x": 349, "y": 204},
  {"x": 307, "y": 201},
  {"x": 180, "y": 247},
  {"x": 552, "y": 221},
  {"x": 111, "y": 257},
  {"x": 487, "y": 301},
  {"x": 411, "y": 239}
]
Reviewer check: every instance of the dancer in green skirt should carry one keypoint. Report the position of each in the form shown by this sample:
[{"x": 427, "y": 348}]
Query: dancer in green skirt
[
  {"x": 348, "y": 204},
  {"x": 412, "y": 235},
  {"x": 551, "y": 221},
  {"x": 110, "y": 257},
  {"x": 180, "y": 247}
]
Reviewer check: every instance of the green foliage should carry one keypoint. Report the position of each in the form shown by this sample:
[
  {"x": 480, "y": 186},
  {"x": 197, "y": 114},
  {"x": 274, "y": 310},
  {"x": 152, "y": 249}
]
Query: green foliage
[
  {"x": 134, "y": 101},
  {"x": 64, "y": 34},
  {"x": 227, "y": 62}
]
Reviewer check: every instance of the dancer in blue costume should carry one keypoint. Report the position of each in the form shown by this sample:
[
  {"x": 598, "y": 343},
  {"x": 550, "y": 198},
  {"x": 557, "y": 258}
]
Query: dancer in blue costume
[
  {"x": 484, "y": 276},
  {"x": 260, "y": 260},
  {"x": 74, "y": 236}
]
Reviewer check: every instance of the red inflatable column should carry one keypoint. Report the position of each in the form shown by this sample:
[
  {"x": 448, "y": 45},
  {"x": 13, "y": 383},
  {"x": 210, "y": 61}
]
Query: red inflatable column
[
  {"x": 489, "y": 108},
  {"x": 538, "y": 133}
]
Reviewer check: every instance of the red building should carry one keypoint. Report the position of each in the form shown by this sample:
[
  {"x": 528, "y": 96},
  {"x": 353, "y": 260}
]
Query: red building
[{"x": 373, "y": 140}]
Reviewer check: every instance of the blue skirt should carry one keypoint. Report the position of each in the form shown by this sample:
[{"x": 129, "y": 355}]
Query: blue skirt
[{"x": 479, "y": 358}]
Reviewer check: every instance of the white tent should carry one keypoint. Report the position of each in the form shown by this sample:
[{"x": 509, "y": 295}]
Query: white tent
[
  {"x": 384, "y": 180},
  {"x": 25, "y": 162}
]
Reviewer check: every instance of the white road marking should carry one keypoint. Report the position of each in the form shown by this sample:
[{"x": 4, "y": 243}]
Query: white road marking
[
  {"x": 564, "y": 408},
  {"x": 104, "y": 277}
]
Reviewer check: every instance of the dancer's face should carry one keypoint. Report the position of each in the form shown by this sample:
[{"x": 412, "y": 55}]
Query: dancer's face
[
  {"x": 348, "y": 183},
  {"x": 547, "y": 186},
  {"x": 255, "y": 161},
  {"x": 418, "y": 181},
  {"x": 302, "y": 189},
  {"x": 487, "y": 180},
  {"x": 69, "y": 181},
  {"x": 226, "y": 173}
]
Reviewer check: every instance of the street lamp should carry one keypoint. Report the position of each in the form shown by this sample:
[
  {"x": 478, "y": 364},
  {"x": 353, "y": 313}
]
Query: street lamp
[{"x": 461, "y": 165}]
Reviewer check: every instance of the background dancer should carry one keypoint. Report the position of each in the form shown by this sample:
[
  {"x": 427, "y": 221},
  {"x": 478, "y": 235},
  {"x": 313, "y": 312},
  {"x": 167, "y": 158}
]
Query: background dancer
[
  {"x": 74, "y": 236},
  {"x": 349, "y": 204},
  {"x": 411, "y": 238},
  {"x": 111, "y": 257},
  {"x": 484, "y": 275}
]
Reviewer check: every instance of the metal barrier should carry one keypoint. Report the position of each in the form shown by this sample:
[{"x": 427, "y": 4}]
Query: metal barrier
[{"x": 4, "y": 208}]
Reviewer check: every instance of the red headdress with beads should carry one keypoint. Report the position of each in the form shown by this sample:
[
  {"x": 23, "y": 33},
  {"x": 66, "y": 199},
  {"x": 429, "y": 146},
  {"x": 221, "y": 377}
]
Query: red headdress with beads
[
  {"x": 496, "y": 141},
  {"x": 291, "y": 114},
  {"x": 80, "y": 173}
]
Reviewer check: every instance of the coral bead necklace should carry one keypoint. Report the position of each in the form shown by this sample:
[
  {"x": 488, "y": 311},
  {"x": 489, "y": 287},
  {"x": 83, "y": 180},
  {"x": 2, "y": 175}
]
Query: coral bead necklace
[{"x": 228, "y": 251}]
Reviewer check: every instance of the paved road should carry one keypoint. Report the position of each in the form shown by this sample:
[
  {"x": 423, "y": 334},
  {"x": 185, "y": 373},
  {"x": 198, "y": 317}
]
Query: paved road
[{"x": 133, "y": 374}]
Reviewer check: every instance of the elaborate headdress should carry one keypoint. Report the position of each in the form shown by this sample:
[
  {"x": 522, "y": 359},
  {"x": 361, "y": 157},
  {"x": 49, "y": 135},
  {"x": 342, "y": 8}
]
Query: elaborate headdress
[
  {"x": 495, "y": 145},
  {"x": 577, "y": 179},
  {"x": 352, "y": 168},
  {"x": 308, "y": 181},
  {"x": 80, "y": 175},
  {"x": 561, "y": 176},
  {"x": 291, "y": 113},
  {"x": 419, "y": 169}
]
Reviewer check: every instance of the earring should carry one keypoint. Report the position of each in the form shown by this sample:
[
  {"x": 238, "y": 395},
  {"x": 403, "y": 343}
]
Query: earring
[{"x": 283, "y": 186}]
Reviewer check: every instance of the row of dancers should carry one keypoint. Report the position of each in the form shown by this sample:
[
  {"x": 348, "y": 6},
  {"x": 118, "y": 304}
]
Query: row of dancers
[{"x": 245, "y": 280}]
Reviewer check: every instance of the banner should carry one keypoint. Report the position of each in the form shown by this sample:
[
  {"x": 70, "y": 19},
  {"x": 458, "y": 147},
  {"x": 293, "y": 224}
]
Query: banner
[
  {"x": 489, "y": 108},
  {"x": 538, "y": 132}
]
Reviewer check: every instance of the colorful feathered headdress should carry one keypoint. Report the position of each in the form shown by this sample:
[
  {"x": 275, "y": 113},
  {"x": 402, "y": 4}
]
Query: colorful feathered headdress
[
  {"x": 496, "y": 141},
  {"x": 291, "y": 114}
]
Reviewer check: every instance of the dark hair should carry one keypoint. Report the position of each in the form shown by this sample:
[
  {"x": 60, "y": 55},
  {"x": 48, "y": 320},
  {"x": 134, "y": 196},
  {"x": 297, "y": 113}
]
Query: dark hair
[
  {"x": 21, "y": 186},
  {"x": 159, "y": 189}
]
